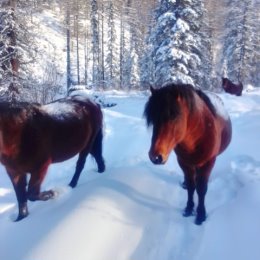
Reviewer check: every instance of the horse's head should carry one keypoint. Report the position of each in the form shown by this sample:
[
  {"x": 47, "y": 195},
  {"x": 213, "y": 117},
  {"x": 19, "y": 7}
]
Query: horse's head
[
  {"x": 167, "y": 112},
  {"x": 224, "y": 83}
]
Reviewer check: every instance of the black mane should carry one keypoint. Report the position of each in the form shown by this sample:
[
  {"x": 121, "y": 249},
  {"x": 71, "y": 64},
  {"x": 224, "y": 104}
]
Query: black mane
[{"x": 162, "y": 105}]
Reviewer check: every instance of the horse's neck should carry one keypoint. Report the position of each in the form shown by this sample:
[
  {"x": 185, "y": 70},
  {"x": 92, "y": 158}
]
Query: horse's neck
[{"x": 196, "y": 123}]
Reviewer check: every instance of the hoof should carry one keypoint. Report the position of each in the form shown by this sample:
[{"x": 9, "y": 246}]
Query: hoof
[
  {"x": 72, "y": 184},
  {"x": 20, "y": 217},
  {"x": 46, "y": 195},
  {"x": 200, "y": 220},
  {"x": 23, "y": 213},
  {"x": 188, "y": 212},
  {"x": 101, "y": 167},
  {"x": 101, "y": 170}
]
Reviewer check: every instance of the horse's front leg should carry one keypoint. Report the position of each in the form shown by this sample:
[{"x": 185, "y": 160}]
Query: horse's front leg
[
  {"x": 34, "y": 188},
  {"x": 202, "y": 176},
  {"x": 190, "y": 184},
  {"x": 19, "y": 183},
  {"x": 189, "y": 175}
]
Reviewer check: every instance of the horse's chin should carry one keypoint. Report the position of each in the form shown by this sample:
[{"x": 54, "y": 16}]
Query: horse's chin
[{"x": 160, "y": 163}]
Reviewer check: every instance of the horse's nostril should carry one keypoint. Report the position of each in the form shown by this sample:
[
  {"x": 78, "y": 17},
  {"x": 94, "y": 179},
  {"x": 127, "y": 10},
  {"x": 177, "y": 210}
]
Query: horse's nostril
[{"x": 158, "y": 159}]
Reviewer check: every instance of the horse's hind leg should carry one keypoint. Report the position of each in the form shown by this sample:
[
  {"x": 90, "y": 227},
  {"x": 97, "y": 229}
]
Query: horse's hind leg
[
  {"x": 202, "y": 176},
  {"x": 96, "y": 151},
  {"x": 19, "y": 183},
  {"x": 79, "y": 167},
  {"x": 34, "y": 188}
]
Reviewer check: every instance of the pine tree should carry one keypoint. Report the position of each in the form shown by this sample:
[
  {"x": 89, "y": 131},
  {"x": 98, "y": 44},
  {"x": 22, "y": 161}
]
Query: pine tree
[
  {"x": 95, "y": 42},
  {"x": 111, "y": 58},
  {"x": 9, "y": 62},
  {"x": 177, "y": 47},
  {"x": 241, "y": 51},
  {"x": 136, "y": 47},
  {"x": 68, "y": 47}
]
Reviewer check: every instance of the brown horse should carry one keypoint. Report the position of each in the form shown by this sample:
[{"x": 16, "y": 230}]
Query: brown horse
[
  {"x": 34, "y": 136},
  {"x": 186, "y": 121},
  {"x": 232, "y": 88}
]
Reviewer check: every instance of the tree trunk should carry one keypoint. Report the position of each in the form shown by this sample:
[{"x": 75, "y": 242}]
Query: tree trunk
[
  {"x": 13, "y": 87},
  {"x": 102, "y": 47},
  {"x": 68, "y": 50},
  {"x": 77, "y": 39}
]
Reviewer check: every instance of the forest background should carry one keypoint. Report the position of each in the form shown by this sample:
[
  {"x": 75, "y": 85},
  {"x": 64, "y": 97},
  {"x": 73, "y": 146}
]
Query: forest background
[{"x": 125, "y": 44}]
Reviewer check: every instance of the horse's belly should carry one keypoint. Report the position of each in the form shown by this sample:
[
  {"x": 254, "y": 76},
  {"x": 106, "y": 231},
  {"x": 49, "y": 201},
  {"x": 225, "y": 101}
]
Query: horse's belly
[
  {"x": 69, "y": 148},
  {"x": 67, "y": 142},
  {"x": 61, "y": 157}
]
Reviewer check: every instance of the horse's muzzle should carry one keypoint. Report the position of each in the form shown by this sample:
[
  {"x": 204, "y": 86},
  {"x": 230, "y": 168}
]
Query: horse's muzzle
[{"x": 156, "y": 159}]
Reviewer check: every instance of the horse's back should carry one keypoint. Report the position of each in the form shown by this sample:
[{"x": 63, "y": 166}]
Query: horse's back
[
  {"x": 60, "y": 130},
  {"x": 74, "y": 127},
  {"x": 222, "y": 121}
]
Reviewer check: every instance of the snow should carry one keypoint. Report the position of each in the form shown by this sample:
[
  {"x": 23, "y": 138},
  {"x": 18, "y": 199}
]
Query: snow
[
  {"x": 166, "y": 18},
  {"x": 59, "y": 110},
  {"x": 181, "y": 26},
  {"x": 133, "y": 210}
]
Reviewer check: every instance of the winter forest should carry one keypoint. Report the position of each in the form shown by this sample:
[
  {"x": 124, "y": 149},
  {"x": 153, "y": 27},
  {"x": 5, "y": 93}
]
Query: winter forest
[{"x": 125, "y": 44}]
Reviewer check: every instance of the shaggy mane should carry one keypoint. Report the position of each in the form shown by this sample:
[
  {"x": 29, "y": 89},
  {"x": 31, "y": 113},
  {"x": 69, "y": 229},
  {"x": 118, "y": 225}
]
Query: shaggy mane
[{"x": 162, "y": 105}]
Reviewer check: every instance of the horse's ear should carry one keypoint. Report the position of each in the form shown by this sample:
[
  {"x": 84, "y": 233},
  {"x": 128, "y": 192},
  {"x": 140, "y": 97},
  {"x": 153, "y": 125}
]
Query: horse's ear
[{"x": 152, "y": 89}]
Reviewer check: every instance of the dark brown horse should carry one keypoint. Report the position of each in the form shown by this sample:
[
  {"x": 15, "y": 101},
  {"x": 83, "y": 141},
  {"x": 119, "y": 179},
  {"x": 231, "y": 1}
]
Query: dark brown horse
[
  {"x": 197, "y": 129},
  {"x": 34, "y": 136},
  {"x": 232, "y": 88}
]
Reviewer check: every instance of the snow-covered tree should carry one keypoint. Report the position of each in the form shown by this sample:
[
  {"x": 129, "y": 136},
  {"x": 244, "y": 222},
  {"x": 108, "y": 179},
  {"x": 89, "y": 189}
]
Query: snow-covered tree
[
  {"x": 95, "y": 41},
  {"x": 241, "y": 50},
  {"x": 177, "y": 44},
  {"x": 9, "y": 63},
  {"x": 132, "y": 58},
  {"x": 112, "y": 55},
  {"x": 19, "y": 54},
  {"x": 68, "y": 46}
]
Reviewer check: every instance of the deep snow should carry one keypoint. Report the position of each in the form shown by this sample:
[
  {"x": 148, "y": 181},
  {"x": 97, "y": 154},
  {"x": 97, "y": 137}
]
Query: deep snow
[{"x": 133, "y": 210}]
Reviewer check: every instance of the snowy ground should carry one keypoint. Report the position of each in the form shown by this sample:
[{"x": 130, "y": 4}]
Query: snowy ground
[{"x": 133, "y": 210}]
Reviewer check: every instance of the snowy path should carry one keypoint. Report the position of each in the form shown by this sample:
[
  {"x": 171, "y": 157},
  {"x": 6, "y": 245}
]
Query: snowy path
[{"x": 133, "y": 210}]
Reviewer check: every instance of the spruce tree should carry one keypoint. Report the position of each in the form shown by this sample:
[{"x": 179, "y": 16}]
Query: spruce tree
[
  {"x": 178, "y": 43},
  {"x": 241, "y": 50}
]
